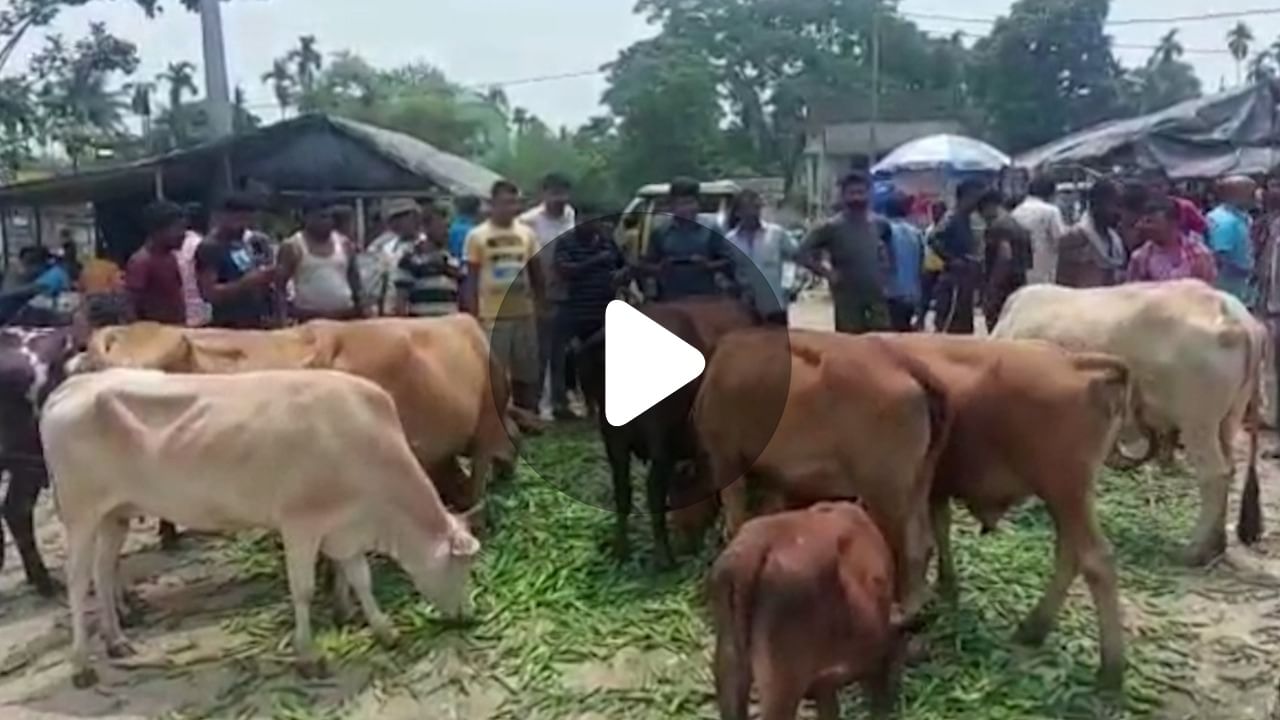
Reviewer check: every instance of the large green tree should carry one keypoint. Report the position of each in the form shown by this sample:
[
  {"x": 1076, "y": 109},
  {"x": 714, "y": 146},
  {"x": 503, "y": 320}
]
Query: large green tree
[
  {"x": 782, "y": 66},
  {"x": 1046, "y": 70},
  {"x": 77, "y": 108},
  {"x": 663, "y": 94}
]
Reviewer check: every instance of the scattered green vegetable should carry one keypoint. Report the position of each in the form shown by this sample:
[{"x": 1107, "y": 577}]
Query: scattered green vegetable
[{"x": 563, "y": 630}]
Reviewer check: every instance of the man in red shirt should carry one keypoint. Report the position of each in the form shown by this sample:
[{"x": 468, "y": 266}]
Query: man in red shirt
[{"x": 152, "y": 277}]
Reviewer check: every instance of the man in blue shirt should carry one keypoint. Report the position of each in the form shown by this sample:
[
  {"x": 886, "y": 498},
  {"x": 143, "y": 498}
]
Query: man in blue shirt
[
  {"x": 907, "y": 243},
  {"x": 1229, "y": 233},
  {"x": 465, "y": 217}
]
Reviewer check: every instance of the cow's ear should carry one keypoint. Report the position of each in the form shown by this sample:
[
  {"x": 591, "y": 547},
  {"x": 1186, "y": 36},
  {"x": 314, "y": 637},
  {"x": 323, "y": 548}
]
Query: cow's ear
[{"x": 463, "y": 544}]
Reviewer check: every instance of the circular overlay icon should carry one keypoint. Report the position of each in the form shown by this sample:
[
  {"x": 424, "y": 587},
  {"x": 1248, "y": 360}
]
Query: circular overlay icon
[{"x": 630, "y": 307}]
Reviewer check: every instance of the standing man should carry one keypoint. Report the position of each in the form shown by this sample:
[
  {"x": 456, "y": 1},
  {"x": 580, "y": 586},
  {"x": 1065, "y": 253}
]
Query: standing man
[
  {"x": 1092, "y": 254},
  {"x": 466, "y": 215},
  {"x": 237, "y": 287},
  {"x": 1043, "y": 221},
  {"x": 152, "y": 277},
  {"x": 153, "y": 282},
  {"x": 904, "y": 289},
  {"x": 403, "y": 218},
  {"x": 858, "y": 261},
  {"x": 767, "y": 246},
  {"x": 685, "y": 255},
  {"x": 506, "y": 290},
  {"x": 956, "y": 244},
  {"x": 1007, "y": 253},
  {"x": 1230, "y": 231},
  {"x": 552, "y": 219},
  {"x": 590, "y": 265},
  {"x": 427, "y": 278},
  {"x": 321, "y": 265}
]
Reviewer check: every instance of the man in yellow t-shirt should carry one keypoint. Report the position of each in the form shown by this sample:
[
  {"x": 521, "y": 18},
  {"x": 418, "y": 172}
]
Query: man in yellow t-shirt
[{"x": 504, "y": 290}]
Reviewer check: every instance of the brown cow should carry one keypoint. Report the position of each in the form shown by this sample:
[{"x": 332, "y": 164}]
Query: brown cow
[
  {"x": 803, "y": 602},
  {"x": 437, "y": 370},
  {"x": 996, "y": 453},
  {"x": 1000, "y": 452},
  {"x": 856, "y": 424}
]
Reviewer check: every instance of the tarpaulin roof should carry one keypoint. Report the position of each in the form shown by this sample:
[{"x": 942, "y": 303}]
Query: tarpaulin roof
[
  {"x": 311, "y": 153},
  {"x": 1235, "y": 132}
]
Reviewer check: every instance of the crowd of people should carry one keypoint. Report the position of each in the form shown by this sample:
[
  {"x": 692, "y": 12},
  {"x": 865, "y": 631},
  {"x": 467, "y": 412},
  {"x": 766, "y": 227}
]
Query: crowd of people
[
  {"x": 890, "y": 271},
  {"x": 889, "y": 265}
]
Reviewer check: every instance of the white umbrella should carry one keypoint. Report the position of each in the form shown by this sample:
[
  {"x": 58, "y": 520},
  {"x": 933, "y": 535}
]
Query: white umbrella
[{"x": 943, "y": 152}]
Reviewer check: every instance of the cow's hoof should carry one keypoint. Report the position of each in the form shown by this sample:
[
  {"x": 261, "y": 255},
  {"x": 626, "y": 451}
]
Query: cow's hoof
[
  {"x": 86, "y": 678},
  {"x": 1032, "y": 632},
  {"x": 1111, "y": 682},
  {"x": 1197, "y": 556},
  {"x": 120, "y": 649},
  {"x": 917, "y": 651},
  {"x": 48, "y": 588},
  {"x": 316, "y": 669},
  {"x": 386, "y": 636}
]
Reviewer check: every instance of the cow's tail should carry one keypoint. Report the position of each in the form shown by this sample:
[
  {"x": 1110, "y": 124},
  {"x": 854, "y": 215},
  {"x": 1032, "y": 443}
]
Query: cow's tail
[
  {"x": 1249, "y": 524},
  {"x": 732, "y": 590},
  {"x": 1113, "y": 392},
  {"x": 937, "y": 400}
]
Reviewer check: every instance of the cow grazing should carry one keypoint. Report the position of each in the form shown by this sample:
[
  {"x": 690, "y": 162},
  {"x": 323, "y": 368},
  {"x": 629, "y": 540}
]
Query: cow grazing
[
  {"x": 856, "y": 425},
  {"x": 318, "y": 455},
  {"x": 1196, "y": 356},
  {"x": 436, "y": 370},
  {"x": 999, "y": 395},
  {"x": 32, "y": 362},
  {"x": 803, "y": 604},
  {"x": 661, "y": 436}
]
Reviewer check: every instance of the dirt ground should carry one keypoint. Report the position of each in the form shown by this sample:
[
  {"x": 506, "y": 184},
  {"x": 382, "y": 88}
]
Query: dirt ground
[{"x": 190, "y": 666}]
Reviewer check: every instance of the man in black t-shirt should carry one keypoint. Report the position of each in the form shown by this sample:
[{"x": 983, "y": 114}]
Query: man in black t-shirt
[{"x": 232, "y": 279}]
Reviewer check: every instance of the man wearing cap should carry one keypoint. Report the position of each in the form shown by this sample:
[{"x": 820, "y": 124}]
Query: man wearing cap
[{"x": 403, "y": 218}]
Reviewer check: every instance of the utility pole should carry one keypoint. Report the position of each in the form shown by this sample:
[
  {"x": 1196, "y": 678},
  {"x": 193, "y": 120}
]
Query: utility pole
[
  {"x": 875, "y": 81},
  {"x": 218, "y": 94}
]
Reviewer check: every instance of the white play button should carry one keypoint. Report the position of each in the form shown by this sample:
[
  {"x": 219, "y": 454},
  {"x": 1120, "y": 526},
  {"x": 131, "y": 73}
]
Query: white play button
[{"x": 643, "y": 363}]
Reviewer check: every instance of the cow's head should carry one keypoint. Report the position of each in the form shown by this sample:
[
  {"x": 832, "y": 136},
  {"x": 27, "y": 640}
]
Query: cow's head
[
  {"x": 440, "y": 565},
  {"x": 148, "y": 346}
]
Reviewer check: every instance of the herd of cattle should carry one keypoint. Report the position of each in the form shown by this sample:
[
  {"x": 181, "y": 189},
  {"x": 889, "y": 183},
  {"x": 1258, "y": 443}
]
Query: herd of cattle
[{"x": 346, "y": 437}]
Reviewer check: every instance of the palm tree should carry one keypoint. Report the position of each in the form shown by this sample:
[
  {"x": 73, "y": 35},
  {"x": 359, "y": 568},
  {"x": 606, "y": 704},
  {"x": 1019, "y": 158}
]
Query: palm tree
[
  {"x": 140, "y": 103},
  {"x": 1238, "y": 41},
  {"x": 181, "y": 79},
  {"x": 282, "y": 84},
  {"x": 1168, "y": 50},
  {"x": 307, "y": 62}
]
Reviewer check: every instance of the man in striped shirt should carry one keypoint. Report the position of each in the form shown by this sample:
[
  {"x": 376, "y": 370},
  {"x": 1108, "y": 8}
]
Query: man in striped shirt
[{"x": 427, "y": 276}]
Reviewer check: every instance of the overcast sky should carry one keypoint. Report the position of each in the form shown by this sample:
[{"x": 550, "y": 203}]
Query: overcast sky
[{"x": 487, "y": 41}]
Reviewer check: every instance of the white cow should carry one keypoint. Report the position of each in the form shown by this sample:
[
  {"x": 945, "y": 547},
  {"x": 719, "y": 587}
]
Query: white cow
[
  {"x": 1196, "y": 356},
  {"x": 317, "y": 454}
]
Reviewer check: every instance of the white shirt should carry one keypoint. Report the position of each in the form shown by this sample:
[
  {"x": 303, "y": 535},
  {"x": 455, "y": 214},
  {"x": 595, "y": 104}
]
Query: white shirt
[
  {"x": 1044, "y": 223},
  {"x": 768, "y": 248},
  {"x": 377, "y": 265},
  {"x": 547, "y": 228}
]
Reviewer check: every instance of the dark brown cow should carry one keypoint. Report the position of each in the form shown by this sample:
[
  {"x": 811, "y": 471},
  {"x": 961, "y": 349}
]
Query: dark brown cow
[
  {"x": 803, "y": 604},
  {"x": 662, "y": 435},
  {"x": 32, "y": 362}
]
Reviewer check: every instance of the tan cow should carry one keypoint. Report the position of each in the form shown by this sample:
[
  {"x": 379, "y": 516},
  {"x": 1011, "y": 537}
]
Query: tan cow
[
  {"x": 1196, "y": 356},
  {"x": 856, "y": 424},
  {"x": 803, "y": 605},
  {"x": 317, "y": 455},
  {"x": 436, "y": 370}
]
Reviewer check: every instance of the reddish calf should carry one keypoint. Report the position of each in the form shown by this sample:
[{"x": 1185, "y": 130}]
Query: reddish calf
[{"x": 803, "y": 605}]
